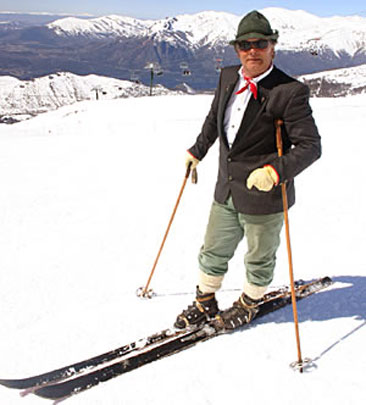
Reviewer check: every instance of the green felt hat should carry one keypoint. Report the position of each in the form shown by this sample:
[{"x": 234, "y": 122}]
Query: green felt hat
[{"x": 254, "y": 25}]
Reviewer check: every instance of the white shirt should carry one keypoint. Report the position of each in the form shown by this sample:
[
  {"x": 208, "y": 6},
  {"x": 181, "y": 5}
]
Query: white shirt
[{"x": 238, "y": 104}]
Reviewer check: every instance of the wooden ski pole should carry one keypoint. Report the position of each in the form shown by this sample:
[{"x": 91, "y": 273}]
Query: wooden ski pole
[
  {"x": 278, "y": 124},
  {"x": 144, "y": 292}
]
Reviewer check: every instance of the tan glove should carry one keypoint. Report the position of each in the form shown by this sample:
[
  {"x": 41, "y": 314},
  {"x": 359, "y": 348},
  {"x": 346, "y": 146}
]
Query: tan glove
[
  {"x": 191, "y": 159},
  {"x": 263, "y": 178}
]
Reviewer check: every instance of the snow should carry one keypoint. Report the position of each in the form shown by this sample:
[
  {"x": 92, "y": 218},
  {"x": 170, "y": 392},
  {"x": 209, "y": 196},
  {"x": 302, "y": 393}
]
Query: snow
[
  {"x": 100, "y": 26},
  {"x": 87, "y": 192},
  {"x": 25, "y": 98},
  {"x": 208, "y": 27},
  {"x": 297, "y": 28},
  {"x": 354, "y": 76}
]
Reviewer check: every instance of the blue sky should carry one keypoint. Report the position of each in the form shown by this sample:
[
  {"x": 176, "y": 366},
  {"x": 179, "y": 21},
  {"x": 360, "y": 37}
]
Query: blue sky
[{"x": 163, "y": 8}]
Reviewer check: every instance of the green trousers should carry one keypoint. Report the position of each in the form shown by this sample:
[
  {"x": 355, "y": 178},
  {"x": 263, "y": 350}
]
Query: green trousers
[{"x": 226, "y": 228}]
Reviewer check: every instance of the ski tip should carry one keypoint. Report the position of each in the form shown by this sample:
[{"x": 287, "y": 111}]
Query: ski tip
[
  {"x": 26, "y": 384},
  {"x": 10, "y": 383},
  {"x": 4, "y": 383}
]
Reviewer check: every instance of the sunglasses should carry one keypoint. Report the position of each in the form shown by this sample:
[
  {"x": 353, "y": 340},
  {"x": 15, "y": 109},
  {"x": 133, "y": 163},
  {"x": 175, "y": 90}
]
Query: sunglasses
[{"x": 247, "y": 45}]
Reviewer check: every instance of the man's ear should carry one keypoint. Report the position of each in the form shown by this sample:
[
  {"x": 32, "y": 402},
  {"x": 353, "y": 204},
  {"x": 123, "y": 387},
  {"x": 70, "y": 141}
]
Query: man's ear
[{"x": 273, "y": 50}]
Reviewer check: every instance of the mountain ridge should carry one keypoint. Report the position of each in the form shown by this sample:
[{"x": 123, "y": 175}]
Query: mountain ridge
[
  {"x": 317, "y": 31},
  {"x": 189, "y": 48}
]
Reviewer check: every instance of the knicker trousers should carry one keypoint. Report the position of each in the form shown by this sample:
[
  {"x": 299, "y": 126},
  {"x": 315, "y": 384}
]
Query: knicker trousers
[{"x": 226, "y": 228}]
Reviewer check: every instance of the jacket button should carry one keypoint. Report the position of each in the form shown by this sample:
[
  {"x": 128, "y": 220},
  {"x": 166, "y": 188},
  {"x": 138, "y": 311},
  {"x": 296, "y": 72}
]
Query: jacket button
[
  {"x": 229, "y": 159},
  {"x": 230, "y": 178}
]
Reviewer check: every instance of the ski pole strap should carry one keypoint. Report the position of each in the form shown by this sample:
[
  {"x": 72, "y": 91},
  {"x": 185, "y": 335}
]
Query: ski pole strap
[{"x": 194, "y": 176}]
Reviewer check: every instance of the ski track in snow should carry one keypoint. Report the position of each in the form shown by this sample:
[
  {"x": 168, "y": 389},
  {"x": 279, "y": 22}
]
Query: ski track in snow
[{"x": 87, "y": 192}]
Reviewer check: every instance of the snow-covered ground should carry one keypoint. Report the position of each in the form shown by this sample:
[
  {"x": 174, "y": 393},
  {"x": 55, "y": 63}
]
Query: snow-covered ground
[{"x": 86, "y": 194}]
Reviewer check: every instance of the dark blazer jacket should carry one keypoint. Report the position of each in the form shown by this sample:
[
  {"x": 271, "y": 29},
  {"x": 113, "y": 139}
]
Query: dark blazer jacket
[{"x": 279, "y": 96}]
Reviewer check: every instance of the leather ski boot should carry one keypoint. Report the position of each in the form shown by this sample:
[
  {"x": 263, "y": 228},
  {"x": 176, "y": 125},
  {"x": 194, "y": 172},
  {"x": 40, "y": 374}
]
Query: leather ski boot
[
  {"x": 203, "y": 309},
  {"x": 243, "y": 311}
]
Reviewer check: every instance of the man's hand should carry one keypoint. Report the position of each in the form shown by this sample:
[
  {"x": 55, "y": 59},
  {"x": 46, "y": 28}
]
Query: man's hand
[
  {"x": 191, "y": 159},
  {"x": 263, "y": 179}
]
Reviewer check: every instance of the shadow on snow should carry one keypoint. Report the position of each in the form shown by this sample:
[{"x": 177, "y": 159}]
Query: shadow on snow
[{"x": 345, "y": 299}]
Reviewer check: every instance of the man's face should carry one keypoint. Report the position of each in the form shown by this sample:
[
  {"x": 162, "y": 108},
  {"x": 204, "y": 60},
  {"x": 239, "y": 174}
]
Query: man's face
[{"x": 256, "y": 61}]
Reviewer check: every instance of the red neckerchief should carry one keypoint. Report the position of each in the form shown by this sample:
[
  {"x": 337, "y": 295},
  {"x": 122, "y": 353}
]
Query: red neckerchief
[{"x": 252, "y": 87}]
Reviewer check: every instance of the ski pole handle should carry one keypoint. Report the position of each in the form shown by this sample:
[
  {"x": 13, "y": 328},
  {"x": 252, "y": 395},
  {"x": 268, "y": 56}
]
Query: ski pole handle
[
  {"x": 188, "y": 171},
  {"x": 278, "y": 125}
]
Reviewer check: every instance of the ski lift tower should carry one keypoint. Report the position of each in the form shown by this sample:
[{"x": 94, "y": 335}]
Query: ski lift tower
[
  {"x": 155, "y": 69},
  {"x": 97, "y": 89}
]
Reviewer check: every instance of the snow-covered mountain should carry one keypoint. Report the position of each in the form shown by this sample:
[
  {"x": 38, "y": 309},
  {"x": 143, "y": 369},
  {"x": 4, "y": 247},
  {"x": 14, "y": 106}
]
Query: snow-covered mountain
[
  {"x": 337, "y": 82},
  {"x": 205, "y": 28},
  {"x": 21, "y": 99},
  {"x": 298, "y": 29},
  {"x": 112, "y": 26},
  {"x": 302, "y": 30},
  {"x": 117, "y": 46}
]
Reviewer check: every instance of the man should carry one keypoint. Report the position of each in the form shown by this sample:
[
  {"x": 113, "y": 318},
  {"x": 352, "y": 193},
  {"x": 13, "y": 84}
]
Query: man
[{"x": 248, "y": 201}]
